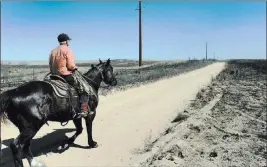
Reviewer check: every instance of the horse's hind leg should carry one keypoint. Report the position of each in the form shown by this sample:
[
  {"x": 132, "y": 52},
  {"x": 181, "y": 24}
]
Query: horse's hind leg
[
  {"x": 18, "y": 145},
  {"x": 16, "y": 148},
  {"x": 28, "y": 154}
]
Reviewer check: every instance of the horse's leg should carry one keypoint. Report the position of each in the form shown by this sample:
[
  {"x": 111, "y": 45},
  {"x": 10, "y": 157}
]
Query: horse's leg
[
  {"x": 19, "y": 143},
  {"x": 16, "y": 148},
  {"x": 89, "y": 121},
  {"x": 69, "y": 141},
  {"x": 28, "y": 154},
  {"x": 79, "y": 129}
]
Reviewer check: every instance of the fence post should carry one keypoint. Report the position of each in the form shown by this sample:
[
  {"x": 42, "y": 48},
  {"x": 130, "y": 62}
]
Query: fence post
[{"x": 33, "y": 73}]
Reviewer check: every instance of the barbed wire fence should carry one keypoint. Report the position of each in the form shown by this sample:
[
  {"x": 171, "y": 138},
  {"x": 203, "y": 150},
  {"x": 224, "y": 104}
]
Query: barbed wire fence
[{"x": 12, "y": 76}]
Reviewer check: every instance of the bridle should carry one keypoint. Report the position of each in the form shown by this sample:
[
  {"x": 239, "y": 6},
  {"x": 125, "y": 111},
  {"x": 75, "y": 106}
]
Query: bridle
[{"x": 99, "y": 71}]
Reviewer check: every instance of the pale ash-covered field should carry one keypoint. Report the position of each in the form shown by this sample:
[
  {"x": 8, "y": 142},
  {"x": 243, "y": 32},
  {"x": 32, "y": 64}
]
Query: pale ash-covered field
[{"x": 225, "y": 126}]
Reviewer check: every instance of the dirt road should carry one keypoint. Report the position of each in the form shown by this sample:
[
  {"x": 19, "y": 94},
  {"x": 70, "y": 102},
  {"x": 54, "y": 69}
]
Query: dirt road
[{"x": 124, "y": 121}]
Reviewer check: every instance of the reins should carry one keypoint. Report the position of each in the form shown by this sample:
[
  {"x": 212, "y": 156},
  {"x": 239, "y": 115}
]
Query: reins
[{"x": 102, "y": 77}]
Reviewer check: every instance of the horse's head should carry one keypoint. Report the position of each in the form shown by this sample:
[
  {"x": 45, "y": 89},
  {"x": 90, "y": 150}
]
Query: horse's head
[{"x": 106, "y": 71}]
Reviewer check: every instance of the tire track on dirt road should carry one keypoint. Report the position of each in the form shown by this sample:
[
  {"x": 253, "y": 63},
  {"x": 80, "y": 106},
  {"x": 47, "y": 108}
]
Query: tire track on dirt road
[{"x": 124, "y": 119}]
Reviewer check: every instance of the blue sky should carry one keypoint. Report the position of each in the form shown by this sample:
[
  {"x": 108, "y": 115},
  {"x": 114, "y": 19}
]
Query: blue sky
[{"x": 171, "y": 30}]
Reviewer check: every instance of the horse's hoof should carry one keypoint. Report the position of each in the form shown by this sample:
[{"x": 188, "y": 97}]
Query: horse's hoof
[
  {"x": 93, "y": 144},
  {"x": 63, "y": 147},
  {"x": 36, "y": 163}
]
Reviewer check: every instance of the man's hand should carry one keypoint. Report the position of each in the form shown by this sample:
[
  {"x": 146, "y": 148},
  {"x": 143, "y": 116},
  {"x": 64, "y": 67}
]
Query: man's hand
[{"x": 74, "y": 69}]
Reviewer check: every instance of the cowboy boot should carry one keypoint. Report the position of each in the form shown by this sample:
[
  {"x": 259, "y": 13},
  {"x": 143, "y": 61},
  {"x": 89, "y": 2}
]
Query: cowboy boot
[{"x": 84, "y": 109}]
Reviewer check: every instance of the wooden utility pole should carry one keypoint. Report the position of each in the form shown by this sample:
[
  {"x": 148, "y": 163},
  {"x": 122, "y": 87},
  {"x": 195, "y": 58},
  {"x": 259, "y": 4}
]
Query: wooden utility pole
[
  {"x": 206, "y": 50},
  {"x": 140, "y": 33}
]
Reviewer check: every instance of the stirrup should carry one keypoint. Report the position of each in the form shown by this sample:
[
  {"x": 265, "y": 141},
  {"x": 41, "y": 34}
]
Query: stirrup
[
  {"x": 84, "y": 114},
  {"x": 81, "y": 115},
  {"x": 76, "y": 116}
]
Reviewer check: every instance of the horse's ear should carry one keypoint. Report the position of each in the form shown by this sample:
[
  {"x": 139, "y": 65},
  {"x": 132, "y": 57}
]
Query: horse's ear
[
  {"x": 108, "y": 62},
  {"x": 100, "y": 61},
  {"x": 92, "y": 66}
]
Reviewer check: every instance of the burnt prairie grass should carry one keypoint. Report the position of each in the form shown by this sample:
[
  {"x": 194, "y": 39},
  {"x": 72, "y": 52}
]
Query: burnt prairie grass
[
  {"x": 236, "y": 124},
  {"x": 247, "y": 73},
  {"x": 126, "y": 77},
  {"x": 241, "y": 109},
  {"x": 244, "y": 105},
  {"x": 250, "y": 70},
  {"x": 245, "y": 87}
]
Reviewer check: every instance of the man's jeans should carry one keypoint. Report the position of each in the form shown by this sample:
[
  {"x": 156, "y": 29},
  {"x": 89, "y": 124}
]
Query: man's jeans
[{"x": 83, "y": 95}]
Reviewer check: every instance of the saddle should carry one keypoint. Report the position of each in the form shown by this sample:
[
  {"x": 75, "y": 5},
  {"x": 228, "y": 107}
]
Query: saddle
[{"x": 61, "y": 87}]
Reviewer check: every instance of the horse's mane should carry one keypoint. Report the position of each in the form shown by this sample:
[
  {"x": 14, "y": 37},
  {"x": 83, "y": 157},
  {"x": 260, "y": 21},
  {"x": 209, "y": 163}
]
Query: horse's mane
[{"x": 93, "y": 67}]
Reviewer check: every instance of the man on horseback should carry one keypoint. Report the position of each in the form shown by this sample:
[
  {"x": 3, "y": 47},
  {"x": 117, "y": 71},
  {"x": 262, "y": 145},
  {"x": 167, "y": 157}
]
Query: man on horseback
[{"x": 61, "y": 62}]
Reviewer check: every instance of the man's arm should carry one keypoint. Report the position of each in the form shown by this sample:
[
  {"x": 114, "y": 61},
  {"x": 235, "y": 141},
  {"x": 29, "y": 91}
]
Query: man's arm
[
  {"x": 70, "y": 60},
  {"x": 50, "y": 61}
]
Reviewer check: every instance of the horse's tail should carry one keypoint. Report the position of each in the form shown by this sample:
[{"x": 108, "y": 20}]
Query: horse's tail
[{"x": 4, "y": 102}]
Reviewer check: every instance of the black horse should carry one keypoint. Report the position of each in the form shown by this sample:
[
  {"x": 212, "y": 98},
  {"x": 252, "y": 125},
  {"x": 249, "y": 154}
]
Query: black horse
[{"x": 32, "y": 104}]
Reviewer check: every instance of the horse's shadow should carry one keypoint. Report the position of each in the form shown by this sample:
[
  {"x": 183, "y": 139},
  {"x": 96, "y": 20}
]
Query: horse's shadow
[{"x": 49, "y": 143}]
